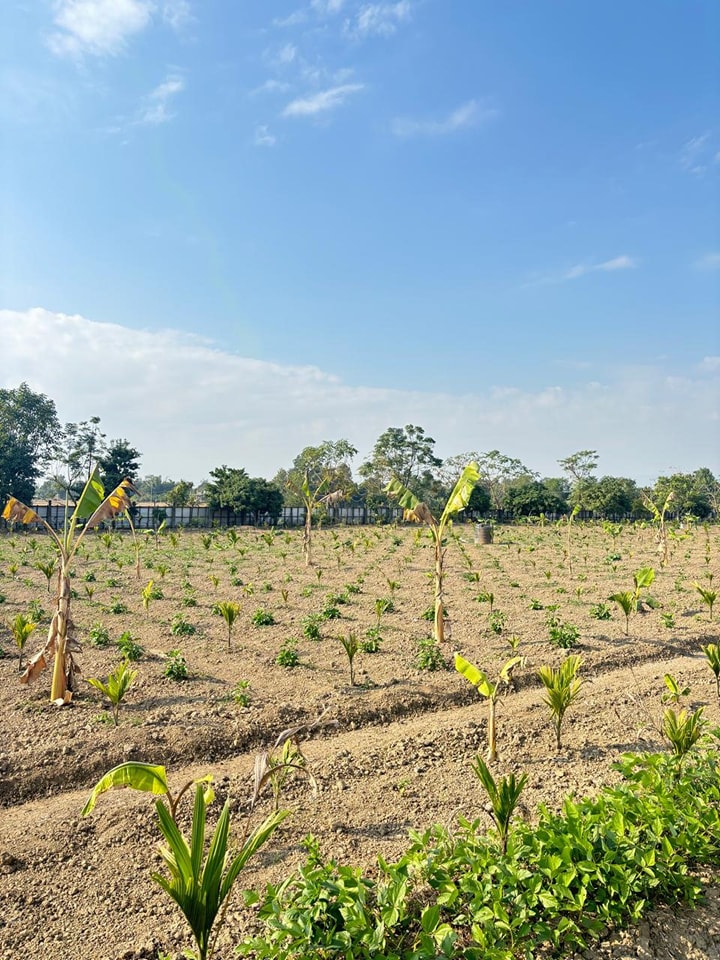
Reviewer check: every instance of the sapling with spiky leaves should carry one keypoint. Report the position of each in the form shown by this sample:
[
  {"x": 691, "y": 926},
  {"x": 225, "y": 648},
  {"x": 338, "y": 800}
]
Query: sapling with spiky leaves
[
  {"x": 229, "y": 611},
  {"x": 658, "y": 514},
  {"x": 48, "y": 569},
  {"x": 708, "y": 596},
  {"x": 503, "y": 796},
  {"x": 490, "y": 690},
  {"x": 116, "y": 686},
  {"x": 562, "y": 689},
  {"x": 199, "y": 882},
  {"x": 21, "y": 626},
  {"x": 712, "y": 655},
  {"x": 683, "y": 729},
  {"x": 350, "y": 645}
]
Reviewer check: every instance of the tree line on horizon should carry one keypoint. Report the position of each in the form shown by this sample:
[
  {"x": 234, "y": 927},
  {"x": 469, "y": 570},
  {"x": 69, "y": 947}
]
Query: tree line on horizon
[{"x": 41, "y": 458}]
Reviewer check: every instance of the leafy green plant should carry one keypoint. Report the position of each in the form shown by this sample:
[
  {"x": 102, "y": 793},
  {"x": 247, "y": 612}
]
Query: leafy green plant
[
  {"x": 262, "y": 618},
  {"x": 503, "y": 795},
  {"x": 288, "y": 655},
  {"x": 176, "y": 666},
  {"x": 561, "y": 634},
  {"x": 117, "y": 606},
  {"x": 21, "y": 626},
  {"x": 199, "y": 882},
  {"x": 98, "y": 635},
  {"x": 562, "y": 689},
  {"x": 429, "y": 655},
  {"x": 311, "y": 627},
  {"x": 707, "y": 596},
  {"x": 229, "y": 611},
  {"x": 600, "y": 611},
  {"x": 496, "y": 621},
  {"x": 241, "y": 693},
  {"x": 486, "y": 597},
  {"x": 129, "y": 647},
  {"x": 536, "y": 604},
  {"x": 489, "y": 690},
  {"x": 116, "y": 686},
  {"x": 373, "y": 639},
  {"x": 712, "y": 655},
  {"x": 419, "y": 512},
  {"x": 181, "y": 626},
  {"x": 627, "y": 603},
  {"x": 149, "y": 593}
]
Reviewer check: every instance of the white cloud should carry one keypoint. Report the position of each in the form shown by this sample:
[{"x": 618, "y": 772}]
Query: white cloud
[
  {"x": 286, "y": 54},
  {"x": 292, "y": 20},
  {"x": 189, "y": 406},
  {"x": 466, "y": 115},
  {"x": 156, "y": 106},
  {"x": 325, "y": 8},
  {"x": 711, "y": 261},
  {"x": 379, "y": 19},
  {"x": 97, "y": 27},
  {"x": 321, "y": 102},
  {"x": 177, "y": 14},
  {"x": 622, "y": 262},
  {"x": 698, "y": 154},
  {"x": 263, "y": 137}
]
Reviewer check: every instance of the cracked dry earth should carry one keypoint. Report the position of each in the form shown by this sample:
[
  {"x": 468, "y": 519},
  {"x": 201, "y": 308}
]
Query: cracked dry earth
[{"x": 399, "y": 756}]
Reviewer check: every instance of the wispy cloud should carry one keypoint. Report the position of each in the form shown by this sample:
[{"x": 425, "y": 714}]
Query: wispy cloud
[
  {"x": 711, "y": 261},
  {"x": 321, "y": 102},
  {"x": 156, "y": 107},
  {"x": 292, "y": 20},
  {"x": 177, "y": 14},
  {"x": 263, "y": 137},
  {"x": 699, "y": 154},
  {"x": 325, "y": 8},
  {"x": 623, "y": 262},
  {"x": 378, "y": 19},
  {"x": 250, "y": 413},
  {"x": 97, "y": 27},
  {"x": 466, "y": 115}
]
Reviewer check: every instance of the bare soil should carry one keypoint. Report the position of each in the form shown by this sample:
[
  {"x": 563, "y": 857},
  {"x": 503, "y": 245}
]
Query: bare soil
[{"x": 397, "y": 753}]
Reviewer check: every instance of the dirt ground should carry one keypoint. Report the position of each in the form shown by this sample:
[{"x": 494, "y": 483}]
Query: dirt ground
[{"x": 396, "y": 753}]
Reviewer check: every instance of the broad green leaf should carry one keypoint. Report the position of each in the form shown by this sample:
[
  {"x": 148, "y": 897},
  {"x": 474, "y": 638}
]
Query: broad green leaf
[
  {"x": 139, "y": 776},
  {"x": 644, "y": 577},
  {"x": 116, "y": 502},
  {"x": 508, "y": 668},
  {"x": 91, "y": 497},
  {"x": 462, "y": 492},
  {"x": 405, "y": 498},
  {"x": 476, "y": 677}
]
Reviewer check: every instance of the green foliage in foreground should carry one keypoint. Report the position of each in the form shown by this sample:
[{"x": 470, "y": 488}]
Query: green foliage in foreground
[{"x": 559, "y": 884}]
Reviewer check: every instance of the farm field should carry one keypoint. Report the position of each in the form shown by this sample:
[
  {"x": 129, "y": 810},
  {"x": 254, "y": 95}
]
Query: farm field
[{"x": 395, "y": 747}]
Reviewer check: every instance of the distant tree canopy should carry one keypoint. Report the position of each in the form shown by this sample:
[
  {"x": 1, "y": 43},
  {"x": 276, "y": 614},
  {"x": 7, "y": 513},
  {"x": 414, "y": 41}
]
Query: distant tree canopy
[
  {"x": 119, "y": 462},
  {"x": 233, "y": 489},
  {"x": 28, "y": 428}
]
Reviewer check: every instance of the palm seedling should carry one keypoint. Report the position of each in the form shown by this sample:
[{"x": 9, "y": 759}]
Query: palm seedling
[
  {"x": 712, "y": 654},
  {"x": 117, "y": 685},
  {"x": 21, "y": 626},
  {"x": 199, "y": 882},
  {"x": 48, "y": 569},
  {"x": 683, "y": 729},
  {"x": 229, "y": 611},
  {"x": 626, "y": 601},
  {"x": 503, "y": 795},
  {"x": 350, "y": 645},
  {"x": 708, "y": 596},
  {"x": 562, "y": 688},
  {"x": 490, "y": 690}
]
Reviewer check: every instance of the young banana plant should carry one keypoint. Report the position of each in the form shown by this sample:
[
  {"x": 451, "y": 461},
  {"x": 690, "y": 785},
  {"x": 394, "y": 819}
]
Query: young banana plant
[
  {"x": 92, "y": 507},
  {"x": 419, "y": 512},
  {"x": 490, "y": 690}
]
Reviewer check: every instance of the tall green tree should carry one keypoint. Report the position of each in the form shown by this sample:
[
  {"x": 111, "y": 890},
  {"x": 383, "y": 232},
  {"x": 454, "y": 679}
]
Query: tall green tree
[
  {"x": 181, "y": 494},
  {"x": 120, "y": 462},
  {"x": 497, "y": 472},
  {"x": 249, "y": 497},
  {"x": 28, "y": 428},
  {"x": 406, "y": 453}
]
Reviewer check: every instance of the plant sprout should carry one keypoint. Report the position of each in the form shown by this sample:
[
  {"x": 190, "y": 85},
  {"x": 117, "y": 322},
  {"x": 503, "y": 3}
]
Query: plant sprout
[{"x": 562, "y": 688}]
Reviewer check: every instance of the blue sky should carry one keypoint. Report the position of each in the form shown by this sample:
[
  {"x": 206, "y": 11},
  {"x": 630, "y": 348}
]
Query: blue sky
[{"x": 306, "y": 220}]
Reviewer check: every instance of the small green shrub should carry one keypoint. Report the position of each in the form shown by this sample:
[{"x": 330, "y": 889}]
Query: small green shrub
[
  {"x": 600, "y": 611},
  {"x": 176, "y": 666},
  {"x": 129, "y": 647},
  {"x": 373, "y": 639},
  {"x": 561, "y": 634},
  {"x": 98, "y": 635},
  {"x": 180, "y": 627},
  {"x": 496, "y": 621},
  {"x": 311, "y": 627},
  {"x": 262, "y": 618},
  {"x": 429, "y": 656},
  {"x": 241, "y": 693},
  {"x": 288, "y": 655},
  {"x": 117, "y": 606}
]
